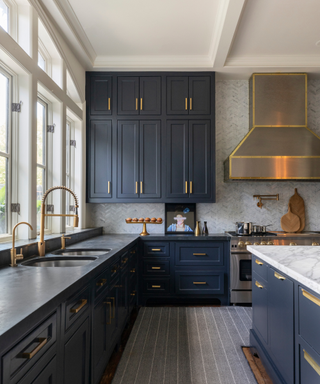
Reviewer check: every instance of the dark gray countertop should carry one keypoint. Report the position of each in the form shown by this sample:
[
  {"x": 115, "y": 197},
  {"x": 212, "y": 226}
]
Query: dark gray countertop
[{"x": 215, "y": 236}]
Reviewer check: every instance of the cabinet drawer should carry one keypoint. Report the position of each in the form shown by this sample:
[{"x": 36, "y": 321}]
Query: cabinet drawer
[
  {"x": 201, "y": 254},
  {"x": 156, "y": 249},
  {"x": 125, "y": 259},
  {"x": 309, "y": 365},
  {"x": 156, "y": 286},
  {"x": 309, "y": 315},
  {"x": 156, "y": 267},
  {"x": 29, "y": 350},
  {"x": 76, "y": 306},
  {"x": 115, "y": 269},
  {"x": 101, "y": 283},
  {"x": 199, "y": 282},
  {"x": 260, "y": 267},
  {"x": 40, "y": 375}
]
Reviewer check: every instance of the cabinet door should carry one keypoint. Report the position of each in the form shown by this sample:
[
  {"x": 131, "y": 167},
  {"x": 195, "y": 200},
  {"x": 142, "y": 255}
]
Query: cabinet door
[
  {"x": 100, "y": 95},
  {"x": 260, "y": 307},
  {"x": 128, "y": 159},
  {"x": 177, "y": 95},
  {"x": 113, "y": 315},
  {"x": 280, "y": 323},
  {"x": 150, "y": 95},
  {"x": 177, "y": 159},
  {"x": 128, "y": 95},
  {"x": 123, "y": 298},
  {"x": 199, "y": 95},
  {"x": 150, "y": 159},
  {"x": 199, "y": 159},
  {"x": 77, "y": 356},
  {"x": 100, "y": 176}
]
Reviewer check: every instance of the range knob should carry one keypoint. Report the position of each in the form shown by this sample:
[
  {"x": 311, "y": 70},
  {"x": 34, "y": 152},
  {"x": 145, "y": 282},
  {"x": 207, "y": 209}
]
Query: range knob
[
  {"x": 263, "y": 243},
  {"x": 249, "y": 243},
  {"x": 241, "y": 244},
  {"x": 256, "y": 243},
  {"x": 315, "y": 244},
  {"x": 293, "y": 243},
  {"x": 270, "y": 243}
]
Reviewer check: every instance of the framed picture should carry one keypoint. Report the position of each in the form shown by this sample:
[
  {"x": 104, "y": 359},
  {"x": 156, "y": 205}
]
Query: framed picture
[{"x": 180, "y": 219}]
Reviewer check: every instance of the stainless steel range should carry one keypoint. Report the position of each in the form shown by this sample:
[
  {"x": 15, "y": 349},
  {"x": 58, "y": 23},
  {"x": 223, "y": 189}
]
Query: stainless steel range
[{"x": 240, "y": 258}]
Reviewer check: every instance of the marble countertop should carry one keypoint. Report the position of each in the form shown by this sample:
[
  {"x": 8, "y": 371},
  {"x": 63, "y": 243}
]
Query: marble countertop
[{"x": 302, "y": 263}]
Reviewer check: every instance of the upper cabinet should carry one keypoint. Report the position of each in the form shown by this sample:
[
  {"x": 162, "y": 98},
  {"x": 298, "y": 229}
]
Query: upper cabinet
[
  {"x": 100, "y": 95},
  {"x": 139, "y": 95},
  {"x": 189, "y": 95}
]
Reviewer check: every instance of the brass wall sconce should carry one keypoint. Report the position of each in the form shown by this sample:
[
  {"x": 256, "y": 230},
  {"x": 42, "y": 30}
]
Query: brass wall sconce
[{"x": 265, "y": 197}]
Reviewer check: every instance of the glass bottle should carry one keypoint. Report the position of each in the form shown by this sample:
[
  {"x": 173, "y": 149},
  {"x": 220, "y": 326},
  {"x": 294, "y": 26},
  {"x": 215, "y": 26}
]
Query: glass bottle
[{"x": 205, "y": 231}]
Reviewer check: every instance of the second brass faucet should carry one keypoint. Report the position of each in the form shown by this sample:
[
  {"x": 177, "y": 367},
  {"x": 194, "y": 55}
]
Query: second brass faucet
[{"x": 13, "y": 252}]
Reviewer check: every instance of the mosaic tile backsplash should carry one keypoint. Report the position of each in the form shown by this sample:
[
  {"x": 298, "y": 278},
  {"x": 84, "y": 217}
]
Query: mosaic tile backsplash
[{"x": 234, "y": 201}]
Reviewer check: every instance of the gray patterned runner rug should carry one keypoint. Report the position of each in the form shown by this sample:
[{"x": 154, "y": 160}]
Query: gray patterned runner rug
[{"x": 186, "y": 345}]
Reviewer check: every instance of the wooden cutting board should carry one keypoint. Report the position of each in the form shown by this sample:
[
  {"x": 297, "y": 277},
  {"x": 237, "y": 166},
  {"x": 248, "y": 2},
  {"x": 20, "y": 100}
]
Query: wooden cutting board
[
  {"x": 290, "y": 222},
  {"x": 297, "y": 207}
]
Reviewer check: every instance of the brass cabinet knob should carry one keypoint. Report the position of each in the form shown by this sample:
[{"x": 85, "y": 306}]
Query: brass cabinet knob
[
  {"x": 241, "y": 244},
  {"x": 248, "y": 243},
  {"x": 293, "y": 243},
  {"x": 270, "y": 243},
  {"x": 263, "y": 243},
  {"x": 256, "y": 243},
  {"x": 315, "y": 244}
]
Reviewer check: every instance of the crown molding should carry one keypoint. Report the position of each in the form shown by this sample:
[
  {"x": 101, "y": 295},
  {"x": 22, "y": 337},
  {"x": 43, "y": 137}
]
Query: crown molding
[{"x": 274, "y": 61}]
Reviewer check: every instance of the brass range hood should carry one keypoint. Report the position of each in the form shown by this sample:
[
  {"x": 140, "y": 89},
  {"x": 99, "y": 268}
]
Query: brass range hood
[{"x": 279, "y": 145}]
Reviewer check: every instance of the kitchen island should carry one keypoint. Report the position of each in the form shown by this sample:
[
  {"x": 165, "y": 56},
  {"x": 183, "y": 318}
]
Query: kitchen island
[{"x": 286, "y": 309}]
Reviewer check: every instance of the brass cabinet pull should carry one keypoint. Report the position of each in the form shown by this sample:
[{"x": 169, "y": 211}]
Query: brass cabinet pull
[
  {"x": 199, "y": 282},
  {"x": 133, "y": 270},
  {"x": 155, "y": 250},
  {"x": 133, "y": 293},
  {"x": 186, "y": 103},
  {"x": 109, "y": 187},
  {"x": 155, "y": 267},
  {"x": 136, "y": 104},
  {"x": 199, "y": 254},
  {"x": 259, "y": 262},
  {"x": 76, "y": 310},
  {"x": 101, "y": 282},
  {"x": 136, "y": 187},
  {"x": 141, "y": 104},
  {"x": 310, "y": 360},
  {"x": 114, "y": 306},
  {"x": 109, "y": 103},
  {"x": 190, "y": 103},
  {"x": 278, "y": 276},
  {"x": 42, "y": 341},
  {"x": 190, "y": 186},
  {"x": 258, "y": 285},
  {"x": 186, "y": 187},
  {"x": 141, "y": 187},
  {"x": 109, "y": 303},
  {"x": 156, "y": 286},
  {"x": 311, "y": 297}
]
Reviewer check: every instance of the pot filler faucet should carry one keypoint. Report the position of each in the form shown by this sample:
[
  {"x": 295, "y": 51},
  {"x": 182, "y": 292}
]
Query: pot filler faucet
[{"x": 41, "y": 243}]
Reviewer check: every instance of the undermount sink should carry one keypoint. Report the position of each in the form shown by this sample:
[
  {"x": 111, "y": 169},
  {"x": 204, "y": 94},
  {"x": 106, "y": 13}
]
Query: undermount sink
[
  {"x": 59, "y": 261},
  {"x": 82, "y": 252}
]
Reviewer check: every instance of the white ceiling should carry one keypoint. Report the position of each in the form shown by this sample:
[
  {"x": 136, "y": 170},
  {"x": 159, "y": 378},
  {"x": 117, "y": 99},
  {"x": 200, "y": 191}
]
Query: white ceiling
[{"x": 232, "y": 37}]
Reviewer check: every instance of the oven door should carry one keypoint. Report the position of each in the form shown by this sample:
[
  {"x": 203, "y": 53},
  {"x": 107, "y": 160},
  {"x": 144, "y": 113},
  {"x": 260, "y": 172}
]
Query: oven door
[{"x": 240, "y": 271}]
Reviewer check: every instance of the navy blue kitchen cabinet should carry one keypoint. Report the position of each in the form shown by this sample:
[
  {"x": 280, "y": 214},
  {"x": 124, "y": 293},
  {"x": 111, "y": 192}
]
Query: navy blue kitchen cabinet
[
  {"x": 100, "y": 95},
  {"x": 133, "y": 166}
]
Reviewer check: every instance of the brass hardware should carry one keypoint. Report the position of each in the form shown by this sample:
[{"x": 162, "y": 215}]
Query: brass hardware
[
  {"x": 133, "y": 293},
  {"x": 190, "y": 186},
  {"x": 124, "y": 261},
  {"x": 310, "y": 360},
  {"x": 186, "y": 187},
  {"x": 269, "y": 243},
  {"x": 133, "y": 270},
  {"x": 199, "y": 282},
  {"x": 199, "y": 254},
  {"x": 258, "y": 285},
  {"x": 114, "y": 306},
  {"x": 265, "y": 197},
  {"x": 118, "y": 286},
  {"x": 42, "y": 341},
  {"x": 155, "y": 267},
  {"x": 293, "y": 243},
  {"x": 114, "y": 270},
  {"x": 76, "y": 310},
  {"x": 259, "y": 262},
  {"x": 190, "y": 103},
  {"x": 109, "y": 103},
  {"x": 278, "y": 276},
  {"x": 101, "y": 282},
  {"x": 311, "y": 297},
  {"x": 241, "y": 244},
  {"x": 256, "y": 243},
  {"x": 109, "y": 187},
  {"x": 186, "y": 103},
  {"x": 315, "y": 244},
  {"x": 136, "y": 104},
  {"x": 13, "y": 252},
  {"x": 197, "y": 229},
  {"x": 156, "y": 286},
  {"x": 108, "y": 302},
  {"x": 248, "y": 243},
  {"x": 155, "y": 250},
  {"x": 263, "y": 243},
  {"x": 136, "y": 187},
  {"x": 41, "y": 242},
  {"x": 63, "y": 241},
  {"x": 141, "y": 190},
  {"x": 141, "y": 104}
]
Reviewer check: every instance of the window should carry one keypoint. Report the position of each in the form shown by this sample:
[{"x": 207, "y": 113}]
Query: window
[
  {"x": 4, "y": 16},
  {"x": 41, "y": 61},
  {"x": 41, "y": 154},
  {"x": 4, "y": 150},
  {"x": 70, "y": 165}
]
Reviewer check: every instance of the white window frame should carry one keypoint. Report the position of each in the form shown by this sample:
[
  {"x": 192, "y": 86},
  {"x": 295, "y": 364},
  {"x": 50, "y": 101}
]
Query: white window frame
[
  {"x": 71, "y": 174},
  {"x": 46, "y": 55},
  {"x": 13, "y": 18}
]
